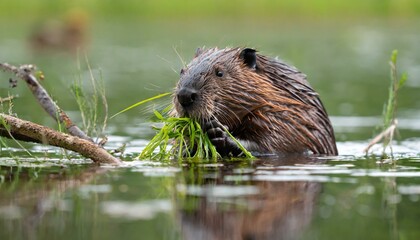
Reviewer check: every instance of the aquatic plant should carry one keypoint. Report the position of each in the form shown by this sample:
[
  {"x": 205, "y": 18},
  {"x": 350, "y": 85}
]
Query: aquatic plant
[
  {"x": 183, "y": 138},
  {"x": 93, "y": 106},
  {"x": 180, "y": 138},
  {"x": 390, "y": 122}
]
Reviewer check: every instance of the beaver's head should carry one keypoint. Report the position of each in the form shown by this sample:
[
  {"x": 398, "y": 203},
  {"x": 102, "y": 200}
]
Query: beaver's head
[{"x": 223, "y": 84}]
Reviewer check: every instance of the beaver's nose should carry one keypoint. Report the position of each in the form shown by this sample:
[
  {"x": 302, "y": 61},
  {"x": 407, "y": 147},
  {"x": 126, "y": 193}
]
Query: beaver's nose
[{"x": 187, "y": 96}]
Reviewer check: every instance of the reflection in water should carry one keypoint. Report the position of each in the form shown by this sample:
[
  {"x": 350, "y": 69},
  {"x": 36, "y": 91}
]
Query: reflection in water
[
  {"x": 145, "y": 210},
  {"x": 30, "y": 197},
  {"x": 214, "y": 207},
  {"x": 271, "y": 198}
]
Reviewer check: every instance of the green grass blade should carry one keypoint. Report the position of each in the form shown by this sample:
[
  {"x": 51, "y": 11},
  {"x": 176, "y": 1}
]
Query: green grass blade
[
  {"x": 141, "y": 102},
  {"x": 243, "y": 149}
]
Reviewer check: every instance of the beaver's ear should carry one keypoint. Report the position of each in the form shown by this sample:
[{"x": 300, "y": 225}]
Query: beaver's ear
[
  {"x": 249, "y": 56},
  {"x": 198, "y": 52}
]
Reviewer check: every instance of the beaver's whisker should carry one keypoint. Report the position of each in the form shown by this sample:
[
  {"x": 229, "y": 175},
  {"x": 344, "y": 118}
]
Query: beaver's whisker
[{"x": 226, "y": 115}]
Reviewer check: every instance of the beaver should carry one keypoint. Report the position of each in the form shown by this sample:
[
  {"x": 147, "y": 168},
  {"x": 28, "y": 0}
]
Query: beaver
[{"x": 266, "y": 104}]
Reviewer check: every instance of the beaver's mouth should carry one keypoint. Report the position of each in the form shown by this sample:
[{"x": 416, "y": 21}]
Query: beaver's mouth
[
  {"x": 196, "y": 113},
  {"x": 193, "y": 104}
]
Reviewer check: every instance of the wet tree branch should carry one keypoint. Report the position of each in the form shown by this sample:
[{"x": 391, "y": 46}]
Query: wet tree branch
[{"x": 19, "y": 129}]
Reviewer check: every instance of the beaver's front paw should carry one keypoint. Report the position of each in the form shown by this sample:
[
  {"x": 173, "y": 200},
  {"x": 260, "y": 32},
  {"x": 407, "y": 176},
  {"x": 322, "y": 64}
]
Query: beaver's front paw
[{"x": 224, "y": 144}]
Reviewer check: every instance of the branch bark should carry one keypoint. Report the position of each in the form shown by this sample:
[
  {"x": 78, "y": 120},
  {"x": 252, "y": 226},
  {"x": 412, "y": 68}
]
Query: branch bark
[{"x": 19, "y": 129}]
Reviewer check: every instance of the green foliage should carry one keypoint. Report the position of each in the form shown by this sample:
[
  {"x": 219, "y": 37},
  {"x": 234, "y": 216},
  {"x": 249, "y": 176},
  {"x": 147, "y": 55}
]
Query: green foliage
[
  {"x": 182, "y": 138},
  {"x": 396, "y": 83},
  {"x": 93, "y": 106},
  {"x": 179, "y": 137},
  {"x": 390, "y": 107}
]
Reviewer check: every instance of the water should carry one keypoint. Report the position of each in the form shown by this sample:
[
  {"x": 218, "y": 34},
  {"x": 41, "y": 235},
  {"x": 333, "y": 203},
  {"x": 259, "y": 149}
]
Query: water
[
  {"x": 271, "y": 198},
  {"x": 351, "y": 196}
]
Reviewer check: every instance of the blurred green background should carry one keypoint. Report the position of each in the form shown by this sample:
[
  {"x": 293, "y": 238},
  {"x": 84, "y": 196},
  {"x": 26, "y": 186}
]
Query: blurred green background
[{"x": 158, "y": 9}]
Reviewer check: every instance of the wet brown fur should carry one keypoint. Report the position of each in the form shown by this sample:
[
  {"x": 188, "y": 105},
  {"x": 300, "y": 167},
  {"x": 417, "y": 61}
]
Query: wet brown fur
[{"x": 271, "y": 104}]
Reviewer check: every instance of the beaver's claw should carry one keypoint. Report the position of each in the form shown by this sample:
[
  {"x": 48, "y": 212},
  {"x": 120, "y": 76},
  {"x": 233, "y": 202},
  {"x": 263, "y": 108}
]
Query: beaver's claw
[{"x": 225, "y": 146}]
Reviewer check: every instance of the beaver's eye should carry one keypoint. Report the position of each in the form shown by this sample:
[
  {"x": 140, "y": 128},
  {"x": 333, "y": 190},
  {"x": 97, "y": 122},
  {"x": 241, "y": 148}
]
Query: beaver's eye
[
  {"x": 182, "y": 71},
  {"x": 219, "y": 73}
]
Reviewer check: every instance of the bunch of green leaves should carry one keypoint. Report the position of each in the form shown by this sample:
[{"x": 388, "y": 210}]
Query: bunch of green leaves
[{"x": 180, "y": 138}]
